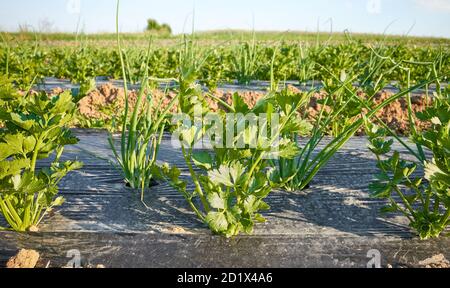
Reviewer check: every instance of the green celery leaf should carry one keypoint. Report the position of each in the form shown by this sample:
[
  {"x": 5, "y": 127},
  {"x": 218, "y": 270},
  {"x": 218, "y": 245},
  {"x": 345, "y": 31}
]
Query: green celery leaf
[
  {"x": 221, "y": 176},
  {"x": 239, "y": 105},
  {"x": 10, "y": 168},
  {"x": 217, "y": 222},
  {"x": 202, "y": 159},
  {"x": 215, "y": 201}
]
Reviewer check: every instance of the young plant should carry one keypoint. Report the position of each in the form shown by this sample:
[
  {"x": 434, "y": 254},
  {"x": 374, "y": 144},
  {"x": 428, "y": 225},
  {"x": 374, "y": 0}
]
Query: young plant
[
  {"x": 297, "y": 173},
  {"x": 340, "y": 97},
  {"x": 7, "y": 49},
  {"x": 191, "y": 62},
  {"x": 233, "y": 182},
  {"x": 246, "y": 61},
  {"x": 425, "y": 200},
  {"x": 141, "y": 134},
  {"x": 35, "y": 128},
  {"x": 213, "y": 72},
  {"x": 306, "y": 64}
]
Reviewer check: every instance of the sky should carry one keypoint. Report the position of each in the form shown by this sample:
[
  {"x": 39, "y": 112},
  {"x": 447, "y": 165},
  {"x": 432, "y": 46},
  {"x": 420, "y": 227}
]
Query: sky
[{"x": 416, "y": 17}]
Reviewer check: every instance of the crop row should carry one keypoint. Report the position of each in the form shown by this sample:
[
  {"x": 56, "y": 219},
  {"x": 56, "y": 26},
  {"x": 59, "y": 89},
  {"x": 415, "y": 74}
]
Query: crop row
[
  {"x": 243, "y": 62},
  {"x": 259, "y": 151}
]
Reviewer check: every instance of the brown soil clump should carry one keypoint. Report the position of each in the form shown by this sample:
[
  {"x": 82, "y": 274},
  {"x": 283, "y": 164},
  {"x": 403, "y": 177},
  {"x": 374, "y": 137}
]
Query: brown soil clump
[
  {"x": 56, "y": 91},
  {"x": 177, "y": 230},
  {"x": 250, "y": 98},
  {"x": 107, "y": 100},
  {"x": 24, "y": 259},
  {"x": 396, "y": 116},
  {"x": 95, "y": 105},
  {"x": 437, "y": 261}
]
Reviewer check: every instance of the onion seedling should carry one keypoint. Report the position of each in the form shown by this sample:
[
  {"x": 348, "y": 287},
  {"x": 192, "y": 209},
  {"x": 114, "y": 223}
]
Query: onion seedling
[
  {"x": 297, "y": 173},
  {"x": 246, "y": 61},
  {"x": 142, "y": 134}
]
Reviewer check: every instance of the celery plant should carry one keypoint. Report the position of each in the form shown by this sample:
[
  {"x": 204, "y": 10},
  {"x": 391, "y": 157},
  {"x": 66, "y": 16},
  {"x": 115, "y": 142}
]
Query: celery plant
[
  {"x": 35, "y": 128},
  {"x": 233, "y": 184},
  {"x": 425, "y": 200}
]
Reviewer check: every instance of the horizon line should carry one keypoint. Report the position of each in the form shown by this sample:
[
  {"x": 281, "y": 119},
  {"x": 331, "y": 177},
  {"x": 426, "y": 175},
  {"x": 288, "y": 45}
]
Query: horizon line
[{"x": 212, "y": 31}]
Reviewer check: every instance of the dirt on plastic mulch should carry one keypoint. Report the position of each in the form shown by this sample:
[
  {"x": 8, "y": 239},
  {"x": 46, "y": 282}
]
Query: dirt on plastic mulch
[
  {"x": 24, "y": 259},
  {"x": 107, "y": 100}
]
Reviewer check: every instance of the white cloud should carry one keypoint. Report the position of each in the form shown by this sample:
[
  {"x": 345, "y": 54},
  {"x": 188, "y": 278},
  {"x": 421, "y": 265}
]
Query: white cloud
[{"x": 435, "y": 5}]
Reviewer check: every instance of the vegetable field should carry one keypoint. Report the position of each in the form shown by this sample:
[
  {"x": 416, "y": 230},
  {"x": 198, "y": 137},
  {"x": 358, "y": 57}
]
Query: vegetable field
[{"x": 193, "y": 143}]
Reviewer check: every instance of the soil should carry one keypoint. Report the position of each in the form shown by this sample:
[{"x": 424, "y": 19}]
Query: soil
[
  {"x": 24, "y": 259},
  {"x": 396, "y": 116},
  {"x": 92, "y": 266},
  {"x": 176, "y": 230},
  {"x": 108, "y": 100},
  {"x": 437, "y": 261},
  {"x": 33, "y": 229}
]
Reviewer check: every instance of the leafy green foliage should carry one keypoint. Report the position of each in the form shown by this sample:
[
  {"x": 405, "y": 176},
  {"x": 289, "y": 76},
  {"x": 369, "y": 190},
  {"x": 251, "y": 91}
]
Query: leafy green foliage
[
  {"x": 340, "y": 94},
  {"x": 233, "y": 184},
  {"x": 246, "y": 61},
  {"x": 425, "y": 200},
  {"x": 154, "y": 26},
  {"x": 296, "y": 173},
  {"x": 35, "y": 128}
]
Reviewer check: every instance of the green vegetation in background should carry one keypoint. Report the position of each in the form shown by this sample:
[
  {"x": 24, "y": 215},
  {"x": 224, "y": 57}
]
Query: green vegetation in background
[
  {"x": 233, "y": 35},
  {"x": 245, "y": 61},
  {"x": 155, "y": 28}
]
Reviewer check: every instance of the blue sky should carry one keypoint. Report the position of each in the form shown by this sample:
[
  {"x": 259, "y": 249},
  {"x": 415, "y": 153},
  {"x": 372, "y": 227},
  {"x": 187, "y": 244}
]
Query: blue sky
[{"x": 429, "y": 17}]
